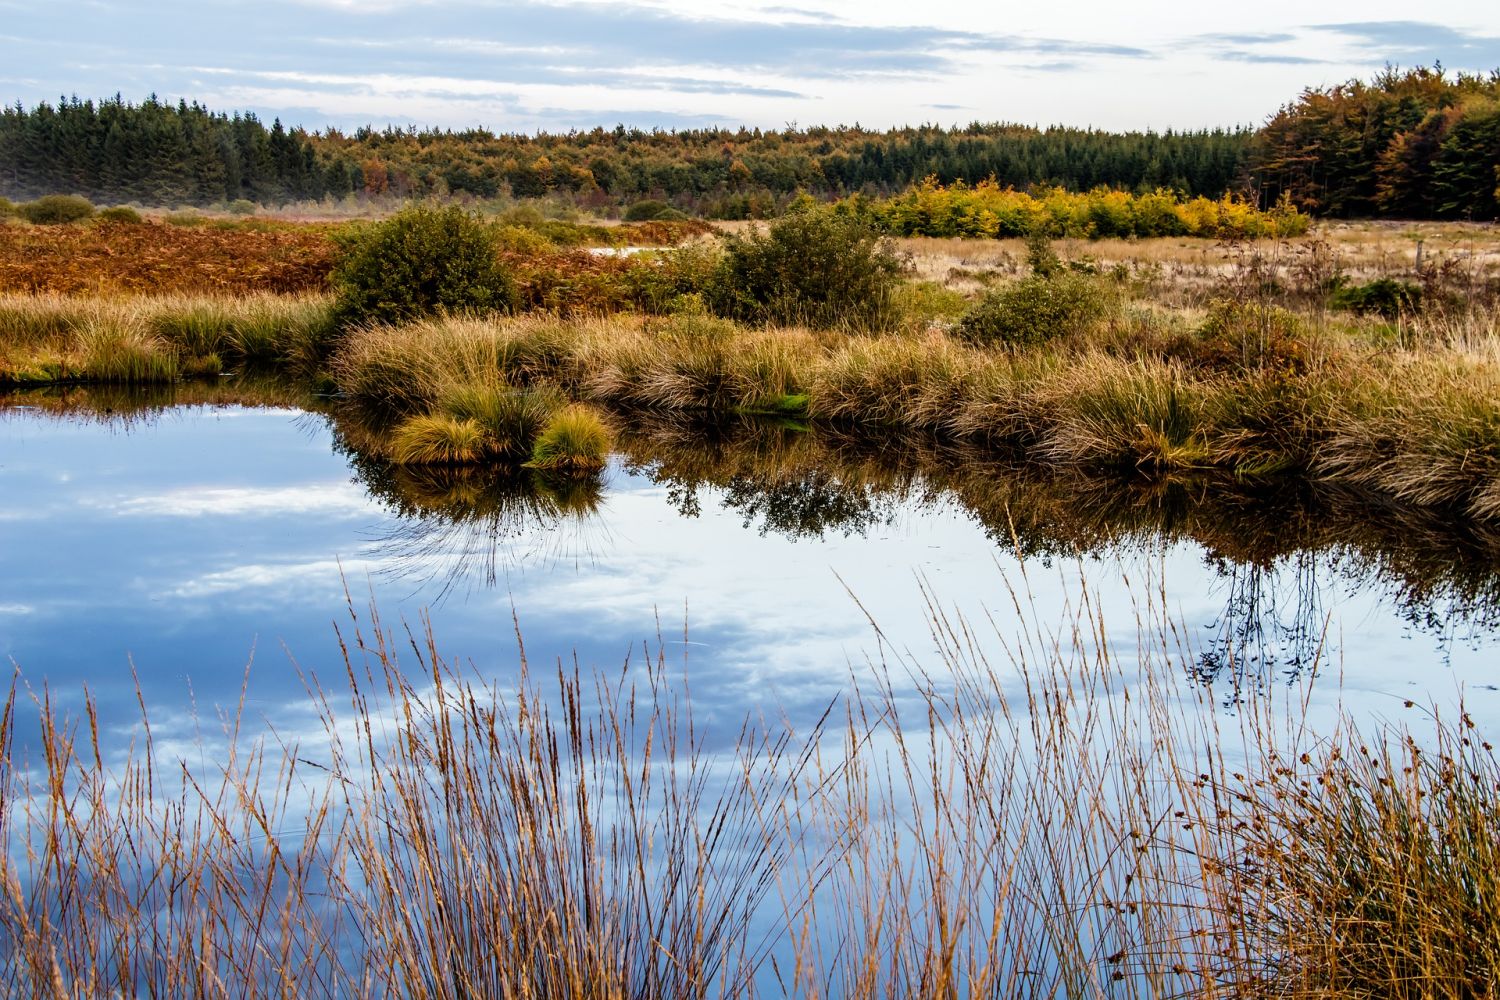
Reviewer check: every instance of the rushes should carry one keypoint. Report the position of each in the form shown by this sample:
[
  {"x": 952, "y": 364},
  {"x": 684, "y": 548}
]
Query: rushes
[
  {"x": 1027, "y": 818},
  {"x": 1369, "y": 867}
]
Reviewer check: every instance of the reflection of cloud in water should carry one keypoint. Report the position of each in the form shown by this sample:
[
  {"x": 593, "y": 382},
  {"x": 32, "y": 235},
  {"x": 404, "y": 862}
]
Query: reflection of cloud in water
[
  {"x": 279, "y": 578},
  {"x": 244, "y": 501}
]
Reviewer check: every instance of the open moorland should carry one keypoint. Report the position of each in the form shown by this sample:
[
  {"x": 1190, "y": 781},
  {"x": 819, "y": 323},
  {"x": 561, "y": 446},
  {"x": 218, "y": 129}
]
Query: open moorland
[{"x": 1103, "y": 805}]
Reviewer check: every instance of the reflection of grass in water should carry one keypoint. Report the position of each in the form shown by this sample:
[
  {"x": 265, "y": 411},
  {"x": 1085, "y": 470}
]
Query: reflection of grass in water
[
  {"x": 1024, "y": 818},
  {"x": 458, "y": 524},
  {"x": 1441, "y": 569},
  {"x": 127, "y": 405}
]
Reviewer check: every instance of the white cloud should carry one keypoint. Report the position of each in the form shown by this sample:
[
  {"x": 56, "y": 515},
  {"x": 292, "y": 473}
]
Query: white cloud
[{"x": 327, "y": 498}]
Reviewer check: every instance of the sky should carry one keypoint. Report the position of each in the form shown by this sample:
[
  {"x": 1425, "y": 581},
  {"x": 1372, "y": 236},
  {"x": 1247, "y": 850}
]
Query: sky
[{"x": 557, "y": 65}]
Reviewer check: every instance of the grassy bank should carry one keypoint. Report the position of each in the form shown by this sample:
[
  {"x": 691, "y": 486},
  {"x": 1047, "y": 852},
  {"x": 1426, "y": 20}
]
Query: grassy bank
[
  {"x": 56, "y": 339},
  {"x": 1322, "y": 360},
  {"x": 1047, "y": 823},
  {"x": 1418, "y": 425},
  {"x": 1143, "y": 393}
]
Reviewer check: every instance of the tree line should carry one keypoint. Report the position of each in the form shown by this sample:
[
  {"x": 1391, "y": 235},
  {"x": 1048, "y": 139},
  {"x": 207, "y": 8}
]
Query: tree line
[
  {"x": 161, "y": 154},
  {"x": 1420, "y": 143}
]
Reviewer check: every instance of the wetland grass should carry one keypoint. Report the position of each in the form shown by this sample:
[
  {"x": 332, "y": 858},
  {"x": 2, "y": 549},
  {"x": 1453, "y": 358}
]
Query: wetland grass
[
  {"x": 576, "y": 439},
  {"x": 1223, "y": 359},
  {"x": 1028, "y": 817},
  {"x": 47, "y": 339},
  {"x": 1411, "y": 424}
]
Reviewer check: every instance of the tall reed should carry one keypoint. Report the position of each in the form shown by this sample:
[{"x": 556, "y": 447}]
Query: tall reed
[{"x": 1037, "y": 813}]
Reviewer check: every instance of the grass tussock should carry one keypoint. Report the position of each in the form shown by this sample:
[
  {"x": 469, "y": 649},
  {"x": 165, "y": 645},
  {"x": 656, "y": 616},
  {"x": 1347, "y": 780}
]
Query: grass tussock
[
  {"x": 510, "y": 417},
  {"x": 437, "y": 440},
  {"x": 576, "y": 439},
  {"x": 1421, "y": 428}
]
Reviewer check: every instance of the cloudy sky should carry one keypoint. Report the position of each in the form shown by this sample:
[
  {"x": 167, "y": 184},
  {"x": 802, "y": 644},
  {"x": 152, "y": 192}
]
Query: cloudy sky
[{"x": 560, "y": 64}]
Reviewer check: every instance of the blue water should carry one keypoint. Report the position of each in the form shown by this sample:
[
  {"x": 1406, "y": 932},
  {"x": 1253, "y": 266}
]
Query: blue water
[{"x": 202, "y": 549}]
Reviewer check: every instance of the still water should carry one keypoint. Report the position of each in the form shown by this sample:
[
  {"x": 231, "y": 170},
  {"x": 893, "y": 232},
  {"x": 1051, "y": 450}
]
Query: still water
[{"x": 195, "y": 550}]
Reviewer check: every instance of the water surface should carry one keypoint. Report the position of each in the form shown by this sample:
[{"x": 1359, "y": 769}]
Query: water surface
[{"x": 194, "y": 549}]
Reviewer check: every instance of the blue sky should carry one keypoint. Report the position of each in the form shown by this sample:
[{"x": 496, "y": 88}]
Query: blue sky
[{"x": 662, "y": 63}]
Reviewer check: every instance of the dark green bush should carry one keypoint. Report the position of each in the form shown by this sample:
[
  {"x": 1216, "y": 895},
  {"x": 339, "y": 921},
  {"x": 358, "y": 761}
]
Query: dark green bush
[
  {"x": 7, "y": 208},
  {"x": 648, "y": 210},
  {"x": 1384, "y": 296},
  {"x": 420, "y": 262},
  {"x": 120, "y": 213},
  {"x": 1039, "y": 308},
  {"x": 57, "y": 209},
  {"x": 811, "y": 267}
]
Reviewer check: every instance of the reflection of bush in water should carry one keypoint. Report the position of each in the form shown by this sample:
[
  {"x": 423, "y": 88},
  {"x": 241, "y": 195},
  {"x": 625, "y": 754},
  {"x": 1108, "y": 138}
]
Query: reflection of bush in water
[
  {"x": 1441, "y": 571},
  {"x": 807, "y": 507}
]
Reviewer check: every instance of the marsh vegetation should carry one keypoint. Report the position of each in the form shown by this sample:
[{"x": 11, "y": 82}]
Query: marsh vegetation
[{"x": 1047, "y": 812}]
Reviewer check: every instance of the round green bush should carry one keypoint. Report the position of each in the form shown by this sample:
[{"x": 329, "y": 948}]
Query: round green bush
[
  {"x": 1037, "y": 309},
  {"x": 1386, "y": 297},
  {"x": 242, "y": 206},
  {"x": 812, "y": 267},
  {"x": 648, "y": 210},
  {"x": 423, "y": 261},
  {"x": 57, "y": 209},
  {"x": 121, "y": 213}
]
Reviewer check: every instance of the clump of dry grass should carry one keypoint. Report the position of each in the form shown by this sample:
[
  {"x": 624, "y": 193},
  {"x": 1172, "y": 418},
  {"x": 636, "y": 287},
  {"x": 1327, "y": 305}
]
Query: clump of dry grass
[
  {"x": 910, "y": 382},
  {"x": 576, "y": 439},
  {"x": 1103, "y": 411},
  {"x": 437, "y": 440},
  {"x": 1422, "y": 428}
]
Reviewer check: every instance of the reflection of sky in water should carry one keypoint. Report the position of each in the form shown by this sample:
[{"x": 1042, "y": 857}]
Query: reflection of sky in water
[{"x": 181, "y": 544}]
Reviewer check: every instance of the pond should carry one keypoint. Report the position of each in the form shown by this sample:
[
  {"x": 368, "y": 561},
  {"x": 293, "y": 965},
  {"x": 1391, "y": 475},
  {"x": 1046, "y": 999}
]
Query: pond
[
  {"x": 1036, "y": 667},
  {"x": 193, "y": 549}
]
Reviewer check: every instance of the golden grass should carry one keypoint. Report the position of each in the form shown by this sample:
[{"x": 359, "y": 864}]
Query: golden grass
[
  {"x": 437, "y": 440},
  {"x": 53, "y": 338},
  {"x": 1416, "y": 425},
  {"x": 576, "y": 439}
]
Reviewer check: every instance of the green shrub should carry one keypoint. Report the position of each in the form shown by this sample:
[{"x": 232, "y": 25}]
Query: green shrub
[
  {"x": 1385, "y": 296},
  {"x": 648, "y": 210},
  {"x": 1247, "y": 336},
  {"x": 121, "y": 213},
  {"x": 1039, "y": 308},
  {"x": 7, "y": 208},
  {"x": 813, "y": 267},
  {"x": 242, "y": 206},
  {"x": 422, "y": 261},
  {"x": 57, "y": 209},
  {"x": 1041, "y": 258}
]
